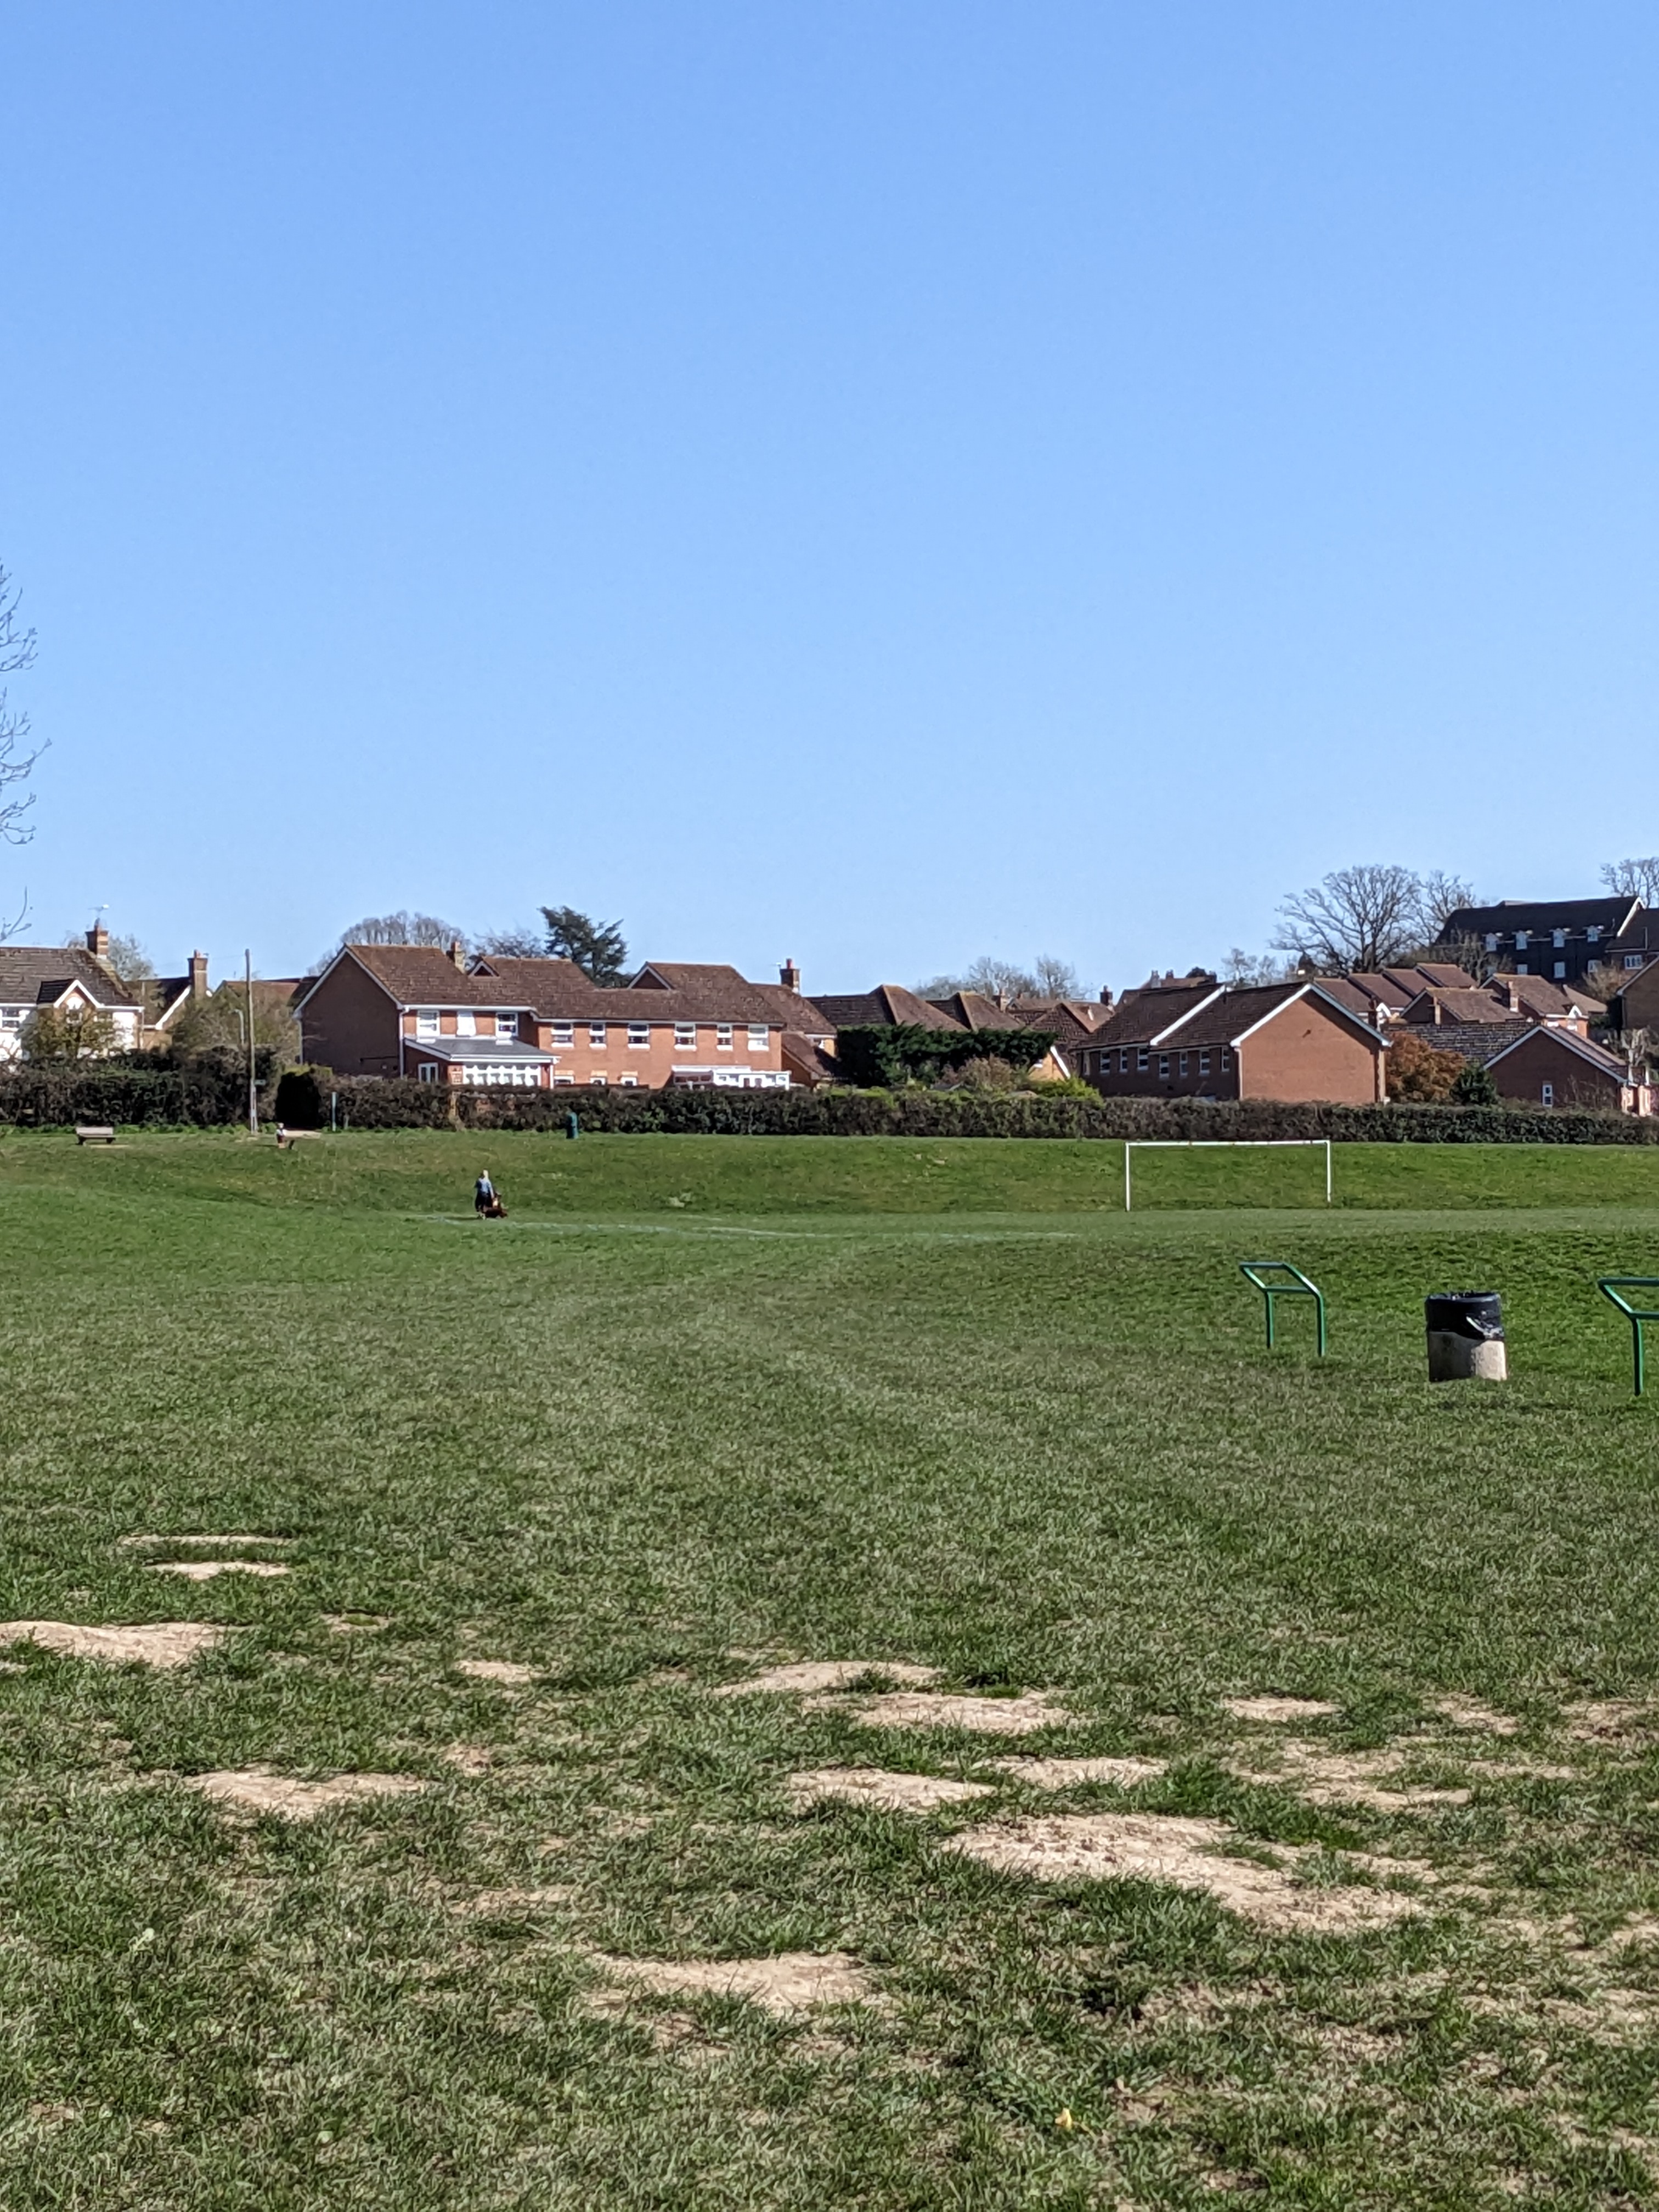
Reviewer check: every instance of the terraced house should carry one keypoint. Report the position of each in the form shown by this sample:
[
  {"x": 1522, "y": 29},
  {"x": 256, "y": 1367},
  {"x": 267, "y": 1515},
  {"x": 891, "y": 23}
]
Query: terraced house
[{"x": 1199, "y": 1038}]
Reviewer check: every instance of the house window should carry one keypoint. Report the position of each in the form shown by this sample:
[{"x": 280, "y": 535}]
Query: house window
[
  {"x": 428, "y": 1071},
  {"x": 596, "y": 1036},
  {"x": 1163, "y": 1063},
  {"x": 1548, "y": 1094},
  {"x": 564, "y": 1033},
  {"x": 1521, "y": 969},
  {"x": 1183, "y": 1063},
  {"x": 507, "y": 1025},
  {"x": 639, "y": 1037},
  {"x": 596, "y": 1083},
  {"x": 1594, "y": 932},
  {"x": 1122, "y": 1061},
  {"x": 723, "y": 1037},
  {"x": 1141, "y": 1061},
  {"x": 685, "y": 1037},
  {"x": 1632, "y": 960},
  {"x": 1203, "y": 1063},
  {"x": 1559, "y": 938},
  {"x": 1226, "y": 1060},
  {"x": 559, "y": 1081},
  {"x": 426, "y": 1022},
  {"x": 1492, "y": 941},
  {"x": 1519, "y": 940},
  {"x": 1560, "y": 970},
  {"x": 467, "y": 1025},
  {"x": 757, "y": 1036},
  {"x": 628, "y": 1083}
]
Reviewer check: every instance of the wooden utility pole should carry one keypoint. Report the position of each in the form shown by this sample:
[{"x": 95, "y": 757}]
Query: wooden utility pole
[{"x": 252, "y": 1085}]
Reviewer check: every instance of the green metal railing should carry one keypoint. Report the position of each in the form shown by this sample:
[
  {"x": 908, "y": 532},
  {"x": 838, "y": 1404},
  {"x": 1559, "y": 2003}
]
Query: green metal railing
[
  {"x": 1610, "y": 1286},
  {"x": 1256, "y": 1271}
]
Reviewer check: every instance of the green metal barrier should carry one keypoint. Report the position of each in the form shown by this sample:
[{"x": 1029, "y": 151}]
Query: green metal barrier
[
  {"x": 1610, "y": 1286},
  {"x": 1254, "y": 1271}
]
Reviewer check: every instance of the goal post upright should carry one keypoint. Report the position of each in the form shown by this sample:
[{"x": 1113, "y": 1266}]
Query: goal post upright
[{"x": 1132, "y": 1145}]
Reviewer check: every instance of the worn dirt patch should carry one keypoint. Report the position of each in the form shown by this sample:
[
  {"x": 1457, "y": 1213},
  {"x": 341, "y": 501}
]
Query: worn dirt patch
[
  {"x": 256, "y": 1790},
  {"x": 1063, "y": 1773},
  {"x": 1470, "y": 1713},
  {"x": 156, "y": 1644},
  {"x": 357, "y": 1624},
  {"x": 484, "y": 1902},
  {"x": 1353, "y": 1778},
  {"x": 917, "y": 1709},
  {"x": 1107, "y": 1846},
  {"x": 1277, "y": 1709},
  {"x": 819, "y": 1674},
  {"x": 204, "y": 1571},
  {"x": 874, "y": 1786},
  {"x": 1605, "y": 1720},
  {"x": 134, "y": 1543},
  {"x": 792, "y": 1982},
  {"x": 470, "y": 1757},
  {"x": 497, "y": 1670}
]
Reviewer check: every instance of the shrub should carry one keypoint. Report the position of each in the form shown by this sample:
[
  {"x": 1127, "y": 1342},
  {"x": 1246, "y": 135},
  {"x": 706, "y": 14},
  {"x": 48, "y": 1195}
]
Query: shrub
[
  {"x": 1474, "y": 1085},
  {"x": 1423, "y": 1075}
]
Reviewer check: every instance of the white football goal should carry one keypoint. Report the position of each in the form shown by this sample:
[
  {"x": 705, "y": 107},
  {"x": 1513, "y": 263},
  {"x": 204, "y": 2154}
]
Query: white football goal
[{"x": 1219, "y": 1145}]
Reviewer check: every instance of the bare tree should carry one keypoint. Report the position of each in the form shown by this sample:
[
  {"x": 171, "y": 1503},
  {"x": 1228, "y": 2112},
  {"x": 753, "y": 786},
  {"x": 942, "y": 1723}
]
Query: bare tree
[
  {"x": 989, "y": 977},
  {"x": 1375, "y": 914},
  {"x": 16, "y": 652},
  {"x": 514, "y": 943},
  {"x": 1055, "y": 978},
  {"x": 399, "y": 928},
  {"x": 1634, "y": 879},
  {"x": 1242, "y": 967}
]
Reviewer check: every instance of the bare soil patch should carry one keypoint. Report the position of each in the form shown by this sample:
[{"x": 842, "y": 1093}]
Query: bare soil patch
[
  {"x": 1354, "y": 1777},
  {"x": 256, "y": 1790},
  {"x": 874, "y": 1786},
  {"x": 917, "y": 1709},
  {"x": 1470, "y": 1713},
  {"x": 1276, "y": 1710},
  {"x": 820, "y": 1674},
  {"x": 483, "y": 1902},
  {"x": 470, "y": 1757},
  {"x": 357, "y": 1624},
  {"x": 1605, "y": 1720},
  {"x": 792, "y": 1982},
  {"x": 204, "y": 1571},
  {"x": 155, "y": 1643},
  {"x": 497, "y": 1670},
  {"x": 1106, "y": 1846},
  {"x": 1064, "y": 1773}
]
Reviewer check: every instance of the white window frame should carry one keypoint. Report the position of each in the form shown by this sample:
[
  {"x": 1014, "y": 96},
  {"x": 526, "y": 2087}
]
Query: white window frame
[
  {"x": 466, "y": 1022},
  {"x": 1546, "y": 1095},
  {"x": 723, "y": 1036},
  {"x": 1492, "y": 940},
  {"x": 426, "y": 1022},
  {"x": 1594, "y": 932},
  {"x": 759, "y": 1036},
  {"x": 1143, "y": 1060},
  {"x": 1557, "y": 938},
  {"x": 1560, "y": 970},
  {"x": 639, "y": 1037},
  {"x": 1162, "y": 1065},
  {"x": 685, "y": 1037},
  {"x": 1203, "y": 1063},
  {"x": 597, "y": 1036},
  {"x": 598, "y": 1082},
  {"x": 1183, "y": 1063},
  {"x": 564, "y": 1033},
  {"x": 1632, "y": 960},
  {"x": 507, "y": 1025},
  {"x": 561, "y": 1081},
  {"x": 428, "y": 1071},
  {"x": 1519, "y": 940},
  {"x": 628, "y": 1083}
]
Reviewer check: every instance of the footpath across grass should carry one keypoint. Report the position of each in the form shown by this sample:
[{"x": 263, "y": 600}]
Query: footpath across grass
[{"x": 1354, "y": 1901}]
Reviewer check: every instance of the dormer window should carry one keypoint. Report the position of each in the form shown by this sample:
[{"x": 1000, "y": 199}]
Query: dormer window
[
  {"x": 1594, "y": 932},
  {"x": 1492, "y": 941},
  {"x": 1519, "y": 940},
  {"x": 1559, "y": 938},
  {"x": 507, "y": 1025}
]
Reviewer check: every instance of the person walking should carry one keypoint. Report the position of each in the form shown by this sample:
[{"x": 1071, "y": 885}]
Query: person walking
[{"x": 484, "y": 1194}]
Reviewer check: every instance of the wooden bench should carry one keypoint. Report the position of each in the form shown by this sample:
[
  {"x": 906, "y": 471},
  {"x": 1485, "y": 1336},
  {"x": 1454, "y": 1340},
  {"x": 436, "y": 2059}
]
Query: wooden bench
[{"x": 93, "y": 1133}]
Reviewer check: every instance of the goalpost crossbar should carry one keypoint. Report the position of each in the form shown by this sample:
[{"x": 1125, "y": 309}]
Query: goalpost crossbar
[{"x": 1219, "y": 1145}]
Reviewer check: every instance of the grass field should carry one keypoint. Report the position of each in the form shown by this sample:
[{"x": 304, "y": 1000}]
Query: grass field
[{"x": 703, "y": 1408}]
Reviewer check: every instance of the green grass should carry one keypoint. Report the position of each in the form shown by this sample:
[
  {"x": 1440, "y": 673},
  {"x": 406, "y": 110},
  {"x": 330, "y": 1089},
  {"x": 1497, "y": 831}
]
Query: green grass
[{"x": 940, "y": 1403}]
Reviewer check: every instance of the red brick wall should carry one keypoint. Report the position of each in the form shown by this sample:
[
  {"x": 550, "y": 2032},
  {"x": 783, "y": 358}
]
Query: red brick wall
[
  {"x": 651, "y": 1068},
  {"x": 1148, "y": 1083},
  {"x": 1304, "y": 1053},
  {"x": 350, "y": 1024},
  {"x": 1522, "y": 1073}
]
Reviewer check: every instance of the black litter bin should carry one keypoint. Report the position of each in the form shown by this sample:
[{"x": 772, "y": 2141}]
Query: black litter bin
[{"x": 1466, "y": 1337}]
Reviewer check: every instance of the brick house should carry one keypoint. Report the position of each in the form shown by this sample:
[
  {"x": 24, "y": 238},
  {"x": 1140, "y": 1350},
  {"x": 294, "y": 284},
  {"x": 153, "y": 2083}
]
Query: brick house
[
  {"x": 412, "y": 1010},
  {"x": 1507, "y": 999},
  {"x": 1560, "y": 938},
  {"x": 1198, "y": 1038},
  {"x": 1384, "y": 995},
  {"x": 684, "y": 1023},
  {"x": 1557, "y": 1067},
  {"x": 890, "y": 1005},
  {"x": 35, "y": 976},
  {"x": 1637, "y": 1003}
]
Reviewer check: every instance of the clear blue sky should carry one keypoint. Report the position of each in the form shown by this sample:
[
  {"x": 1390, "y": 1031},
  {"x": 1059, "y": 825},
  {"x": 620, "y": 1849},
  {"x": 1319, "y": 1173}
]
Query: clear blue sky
[{"x": 872, "y": 482}]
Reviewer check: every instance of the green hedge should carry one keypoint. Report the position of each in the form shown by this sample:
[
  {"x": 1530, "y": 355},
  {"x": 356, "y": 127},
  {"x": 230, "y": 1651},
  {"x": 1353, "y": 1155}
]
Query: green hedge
[{"x": 129, "y": 1095}]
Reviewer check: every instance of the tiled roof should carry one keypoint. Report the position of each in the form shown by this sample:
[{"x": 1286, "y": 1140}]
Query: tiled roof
[
  {"x": 889, "y": 1004},
  {"x": 1479, "y": 1041},
  {"x": 1143, "y": 1014},
  {"x": 1462, "y": 1007},
  {"x": 38, "y": 976},
  {"x": 1568, "y": 1041},
  {"x": 559, "y": 991},
  {"x": 1539, "y": 917},
  {"x": 422, "y": 976},
  {"x": 1444, "y": 973}
]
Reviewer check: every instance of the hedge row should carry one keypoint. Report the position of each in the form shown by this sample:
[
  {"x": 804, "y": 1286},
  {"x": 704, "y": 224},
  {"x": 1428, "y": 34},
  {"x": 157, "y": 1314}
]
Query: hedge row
[{"x": 204, "y": 1097}]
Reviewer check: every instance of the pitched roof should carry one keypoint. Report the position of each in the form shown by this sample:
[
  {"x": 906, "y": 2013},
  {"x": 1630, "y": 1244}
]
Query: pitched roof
[
  {"x": 1549, "y": 1000},
  {"x": 1479, "y": 1041},
  {"x": 38, "y": 976},
  {"x": 1567, "y": 1041},
  {"x": 1145, "y": 1013},
  {"x": 1227, "y": 1015},
  {"x": 1538, "y": 917},
  {"x": 1445, "y": 973},
  {"x": 1434, "y": 1009},
  {"x": 889, "y": 1006},
  {"x": 708, "y": 991},
  {"x": 422, "y": 976},
  {"x": 555, "y": 990}
]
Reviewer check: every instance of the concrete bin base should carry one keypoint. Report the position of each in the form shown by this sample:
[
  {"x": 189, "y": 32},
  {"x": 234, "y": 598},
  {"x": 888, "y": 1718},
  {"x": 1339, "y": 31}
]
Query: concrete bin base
[{"x": 1466, "y": 1359}]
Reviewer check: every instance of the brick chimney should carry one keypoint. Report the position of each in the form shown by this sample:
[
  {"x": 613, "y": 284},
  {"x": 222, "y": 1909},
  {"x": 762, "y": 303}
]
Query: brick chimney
[
  {"x": 1511, "y": 994},
  {"x": 458, "y": 953},
  {"x": 98, "y": 941},
  {"x": 789, "y": 976},
  {"x": 198, "y": 981}
]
